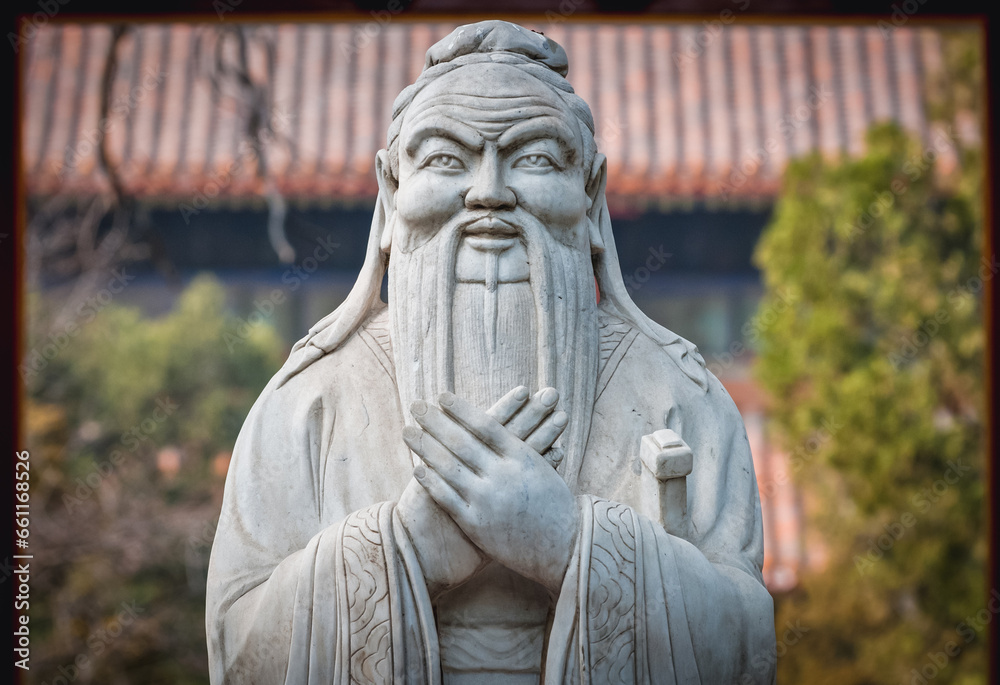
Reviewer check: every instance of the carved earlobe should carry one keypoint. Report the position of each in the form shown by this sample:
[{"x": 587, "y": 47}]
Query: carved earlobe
[
  {"x": 595, "y": 193},
  {"x": 387, "y": 186}
]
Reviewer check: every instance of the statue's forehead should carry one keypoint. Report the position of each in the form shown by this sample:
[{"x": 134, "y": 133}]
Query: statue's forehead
[
  {"x": 488, "y": 80},
  {"x": 489, "y": 97}
]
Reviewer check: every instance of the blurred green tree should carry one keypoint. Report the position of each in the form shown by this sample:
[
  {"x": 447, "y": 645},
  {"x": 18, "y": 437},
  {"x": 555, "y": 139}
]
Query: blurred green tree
[
  {"x": 130, "y": 427},
  {"x": 876, "y": 374}
]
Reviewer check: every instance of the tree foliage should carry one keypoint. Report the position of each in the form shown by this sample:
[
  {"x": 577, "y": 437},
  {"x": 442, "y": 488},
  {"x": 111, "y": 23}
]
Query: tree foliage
[
  {"x": 878, "y": 368},
  {"x": 129, "y": 427}
]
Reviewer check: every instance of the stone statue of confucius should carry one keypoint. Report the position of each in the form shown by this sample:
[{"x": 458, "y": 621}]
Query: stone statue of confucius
[{"x": 504, "y": 474}]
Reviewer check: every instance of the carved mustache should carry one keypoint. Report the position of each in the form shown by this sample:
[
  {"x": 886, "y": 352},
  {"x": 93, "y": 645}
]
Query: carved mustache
[{"x": 515, "y": 223}]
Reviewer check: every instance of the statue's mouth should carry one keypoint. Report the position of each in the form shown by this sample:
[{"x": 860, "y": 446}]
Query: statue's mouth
[
  {"x": 491, "y": 225},
  {"x": 491, "y": 234}
]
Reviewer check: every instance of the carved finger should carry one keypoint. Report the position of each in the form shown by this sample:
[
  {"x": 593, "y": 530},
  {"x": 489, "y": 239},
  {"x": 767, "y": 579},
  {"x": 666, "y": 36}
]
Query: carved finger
[
  {"x": 534, "y": 412},
  {"x": 548, "y": 432},
  {"x": 439, "y": 490},
  {"x": 480, "y": 425},
  {"x": 508, "y": 405},
  {"x": 454, "y": 437},
  {"x": 438, "y": 458}
]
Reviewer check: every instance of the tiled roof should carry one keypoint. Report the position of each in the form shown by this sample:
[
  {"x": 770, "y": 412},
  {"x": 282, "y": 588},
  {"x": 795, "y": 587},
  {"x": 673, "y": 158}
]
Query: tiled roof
[{"x": 682, "y": 111}]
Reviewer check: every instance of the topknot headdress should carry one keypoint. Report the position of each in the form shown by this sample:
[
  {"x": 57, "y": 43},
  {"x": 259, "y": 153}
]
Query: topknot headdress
[{"x": 499, "y": 39}]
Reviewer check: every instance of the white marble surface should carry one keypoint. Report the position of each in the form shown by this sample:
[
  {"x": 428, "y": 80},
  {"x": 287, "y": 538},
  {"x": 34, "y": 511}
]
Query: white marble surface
[{"x": 497, "y": 477}]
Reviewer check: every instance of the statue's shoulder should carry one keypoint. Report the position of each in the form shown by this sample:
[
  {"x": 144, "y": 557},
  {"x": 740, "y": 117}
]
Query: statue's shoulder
[
  {"x": 663, "y": 380},
  {"x": 658, "y": 359},
  {"x": 363, "y": 355},
  {"x": 661, "y": 352},
  {"x": 315, "y": 384}
]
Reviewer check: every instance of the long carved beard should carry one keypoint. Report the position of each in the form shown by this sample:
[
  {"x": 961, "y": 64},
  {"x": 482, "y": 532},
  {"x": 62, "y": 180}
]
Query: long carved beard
[{"x": 480, "y": 340}]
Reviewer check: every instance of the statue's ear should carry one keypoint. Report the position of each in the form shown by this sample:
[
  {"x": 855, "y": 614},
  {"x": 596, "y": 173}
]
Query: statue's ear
[
  {"x": 598, "y": 203},
  {"x": 387, "y": 187}
]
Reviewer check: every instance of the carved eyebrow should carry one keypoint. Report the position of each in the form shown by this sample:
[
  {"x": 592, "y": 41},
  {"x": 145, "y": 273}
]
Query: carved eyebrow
[
  {"x": 540, "y": 127},
  {"x": 444, "y": 127}
]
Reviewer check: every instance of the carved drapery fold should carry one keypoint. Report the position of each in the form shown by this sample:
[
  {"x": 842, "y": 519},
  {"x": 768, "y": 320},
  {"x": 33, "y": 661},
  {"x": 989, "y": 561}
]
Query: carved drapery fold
[
  {"x": 382, "y": 629},
  {"x": 602, "y": 626}
]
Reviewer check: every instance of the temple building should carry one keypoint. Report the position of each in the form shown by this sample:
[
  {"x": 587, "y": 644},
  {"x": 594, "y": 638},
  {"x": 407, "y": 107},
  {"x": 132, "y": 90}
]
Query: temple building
[{"x": 248, "y": 151}]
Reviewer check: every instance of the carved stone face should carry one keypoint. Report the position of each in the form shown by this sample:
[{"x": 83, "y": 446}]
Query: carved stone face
[{"x": 486, "y": 149}]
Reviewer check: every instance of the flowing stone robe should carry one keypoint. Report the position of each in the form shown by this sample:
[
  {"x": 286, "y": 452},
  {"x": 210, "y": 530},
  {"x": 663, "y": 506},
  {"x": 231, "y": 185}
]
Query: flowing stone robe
[{"x": 313, "y": 579}]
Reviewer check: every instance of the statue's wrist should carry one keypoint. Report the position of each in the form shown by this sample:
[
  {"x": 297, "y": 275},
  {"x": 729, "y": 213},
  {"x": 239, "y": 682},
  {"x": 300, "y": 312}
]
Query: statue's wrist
[{"x": 553, "y": 579}]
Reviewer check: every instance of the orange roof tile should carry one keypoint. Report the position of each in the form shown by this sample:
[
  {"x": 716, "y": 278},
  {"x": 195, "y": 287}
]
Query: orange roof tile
[{"x": 682, "y": 112}]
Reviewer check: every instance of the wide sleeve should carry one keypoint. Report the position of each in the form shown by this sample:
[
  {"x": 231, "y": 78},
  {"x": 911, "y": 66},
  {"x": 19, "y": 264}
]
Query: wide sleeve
[
  {"x": 639, "y": 605},
  {"x": 293, "y": 598}
]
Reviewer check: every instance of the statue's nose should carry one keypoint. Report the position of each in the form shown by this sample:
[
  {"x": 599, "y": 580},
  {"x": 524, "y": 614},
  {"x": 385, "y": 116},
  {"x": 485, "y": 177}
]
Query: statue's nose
[{"x": 489, "y": 190}]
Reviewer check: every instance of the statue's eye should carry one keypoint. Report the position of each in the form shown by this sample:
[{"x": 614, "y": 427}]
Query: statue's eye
[
  {"x": 534, "y": 161},
  {"x": 445, "y": 161}
]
